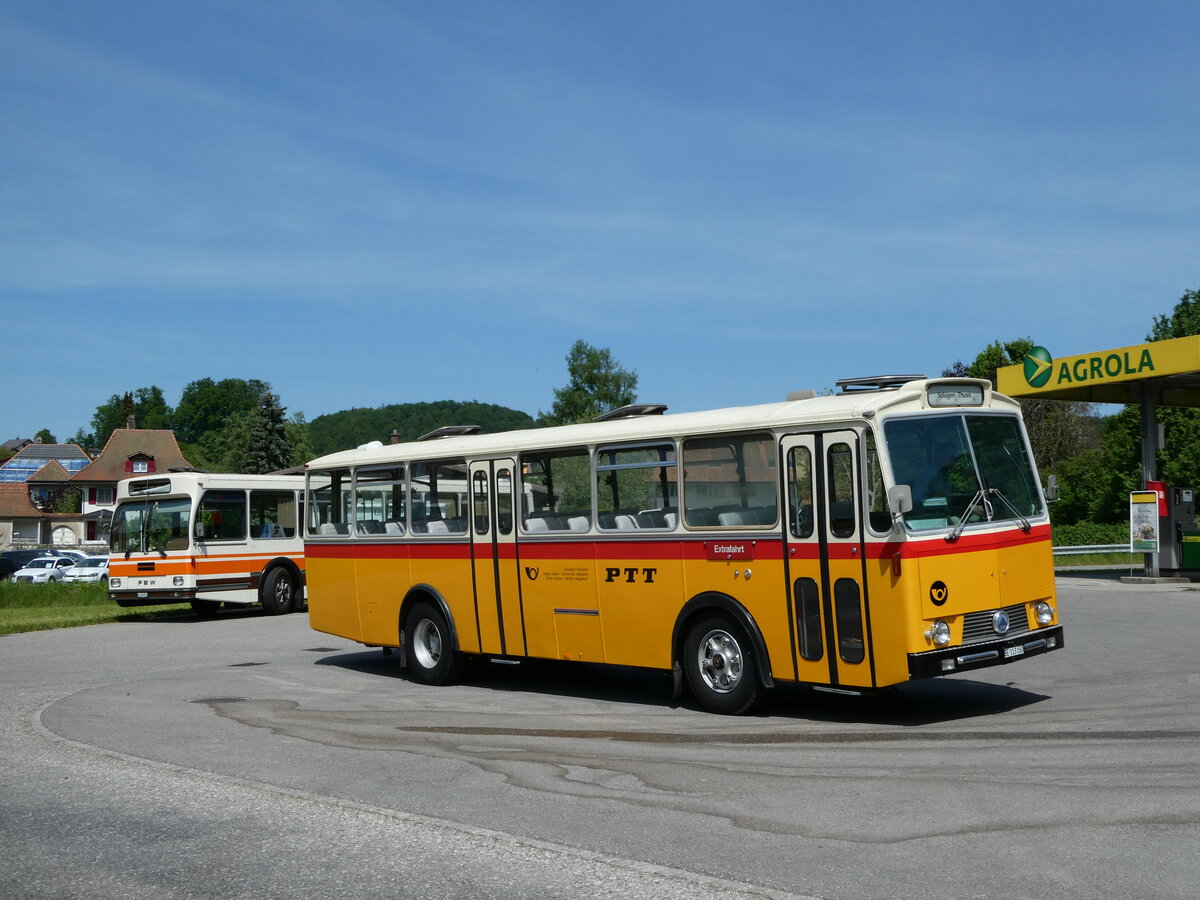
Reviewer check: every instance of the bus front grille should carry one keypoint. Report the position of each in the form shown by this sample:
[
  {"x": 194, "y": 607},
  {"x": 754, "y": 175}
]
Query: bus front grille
[{"x": 981, "y": 626}]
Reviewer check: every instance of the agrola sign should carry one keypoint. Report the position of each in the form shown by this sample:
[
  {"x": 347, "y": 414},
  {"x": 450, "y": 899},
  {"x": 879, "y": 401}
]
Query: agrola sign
[
  {"x": 1041, "y": 369},
  {"x": 1109, "y": 376}
]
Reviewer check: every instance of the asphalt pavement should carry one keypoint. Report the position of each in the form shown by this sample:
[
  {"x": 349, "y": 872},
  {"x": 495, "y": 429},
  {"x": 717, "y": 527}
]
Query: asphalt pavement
[{"x": 248, "y": 756}]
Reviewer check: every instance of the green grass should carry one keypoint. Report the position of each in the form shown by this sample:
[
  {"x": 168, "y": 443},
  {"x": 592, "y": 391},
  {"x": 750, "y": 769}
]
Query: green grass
[
  {"x": 1126, "y": 558},
  {"x": 38, "y": 607}
]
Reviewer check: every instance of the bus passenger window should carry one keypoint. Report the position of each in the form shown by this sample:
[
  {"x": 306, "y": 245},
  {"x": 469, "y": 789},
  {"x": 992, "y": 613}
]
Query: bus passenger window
[
  {"x": 379, "y": 501},
  {"x": 439, "y": 497},
  {"x": 879, "y": 513},
  {"x": 730, "y": 481},
  {"x": 848, "y": 615},
  {"x": 480, "y": 502},
  {"x": 800, "y": 493},
  {"x": 840, "y": 474},
  {"x": 808, "y": 618},
  {"x": 556, "y": 489},
  {"x": 329, "y": 503},
  {"x": 504, "y": 501},
  {"x": 272, "y": 514},
  {"x": 637, "y": 487},
  {"x": 223, "y": 515}
]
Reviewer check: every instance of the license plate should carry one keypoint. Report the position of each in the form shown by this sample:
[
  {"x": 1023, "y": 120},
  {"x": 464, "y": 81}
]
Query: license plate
[
  {"x": 142, "y": 595},
  {"x": 1010, "y": 652}
]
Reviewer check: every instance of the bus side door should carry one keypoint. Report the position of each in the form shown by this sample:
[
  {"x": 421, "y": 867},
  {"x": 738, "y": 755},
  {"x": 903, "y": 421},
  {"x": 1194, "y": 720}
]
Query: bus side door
[
  {"x": 824, "y": 536},
  {"x": 494, "y": 558}
]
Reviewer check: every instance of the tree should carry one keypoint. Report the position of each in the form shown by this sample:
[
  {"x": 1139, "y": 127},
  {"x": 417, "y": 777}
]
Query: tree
[
  {"x": 1058, "y": 430},
  {"x": 597, "y": 385},
  {"x": 297, "y": 434},
  {"x": 150, "y": 409},
  {"x": 146, "y": 406},
  {"x": 268, "y": 448},
  {"x": 1184, "y": 320},
  {"x": 351, "y": 427},
  {"x": 45, "y": 437},
  {"x": 110, "y": 416},
  {"x": 1179, "y": 459},
  {"x": 205, "y": 405},
  {"x": 83, "y": 438}
]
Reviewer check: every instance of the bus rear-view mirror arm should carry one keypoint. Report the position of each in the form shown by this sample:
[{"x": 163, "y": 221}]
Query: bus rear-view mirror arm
[
  {"x": 1051, "y": 488},
  {"x": 899, "y": 500}
]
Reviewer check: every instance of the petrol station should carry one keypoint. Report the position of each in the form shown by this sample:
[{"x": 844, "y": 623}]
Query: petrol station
[{"x": 1160, "y": 373}]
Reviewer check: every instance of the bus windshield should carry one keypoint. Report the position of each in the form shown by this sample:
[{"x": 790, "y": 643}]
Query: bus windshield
[
  {"x": 143, "y": 526},
  {"x": 963, "y": 469}
]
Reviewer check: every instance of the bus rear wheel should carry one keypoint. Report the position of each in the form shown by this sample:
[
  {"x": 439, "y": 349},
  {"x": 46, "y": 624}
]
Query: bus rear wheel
[
  {"x": 278, "y": 592},
  {"x": 430, "y": 653},
  {"x": 720, "y": 667}
]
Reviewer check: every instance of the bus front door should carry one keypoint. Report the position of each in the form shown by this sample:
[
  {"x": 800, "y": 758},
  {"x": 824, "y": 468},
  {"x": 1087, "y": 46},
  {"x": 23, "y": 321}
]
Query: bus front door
[
  {"x": 494, "y": 558},
  {"x": 824, "y": 536}
]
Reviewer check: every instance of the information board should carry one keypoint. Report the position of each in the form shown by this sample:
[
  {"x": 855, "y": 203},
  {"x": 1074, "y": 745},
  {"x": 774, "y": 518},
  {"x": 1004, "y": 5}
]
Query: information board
[{"x": 1143, "y": 522}]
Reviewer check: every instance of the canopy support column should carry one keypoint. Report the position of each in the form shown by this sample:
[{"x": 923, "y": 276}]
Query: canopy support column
[{"x": 1150, "y": 448}]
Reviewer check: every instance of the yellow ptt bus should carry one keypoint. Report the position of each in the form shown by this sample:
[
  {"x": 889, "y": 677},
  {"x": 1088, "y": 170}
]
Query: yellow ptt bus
[
  {"x": 895, "y": 530},
  {"x": 208, "y": 539}
]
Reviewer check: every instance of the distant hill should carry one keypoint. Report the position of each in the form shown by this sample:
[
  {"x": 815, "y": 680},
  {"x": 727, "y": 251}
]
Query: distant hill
[{"x": 352, "y": 427}]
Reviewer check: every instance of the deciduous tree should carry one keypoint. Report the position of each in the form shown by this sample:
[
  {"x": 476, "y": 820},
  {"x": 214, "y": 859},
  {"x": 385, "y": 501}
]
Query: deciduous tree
[{"x": 597, "y": 385}]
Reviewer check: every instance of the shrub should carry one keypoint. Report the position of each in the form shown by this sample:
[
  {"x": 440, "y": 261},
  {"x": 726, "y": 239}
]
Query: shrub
[{"x": 1088, "y": 534}]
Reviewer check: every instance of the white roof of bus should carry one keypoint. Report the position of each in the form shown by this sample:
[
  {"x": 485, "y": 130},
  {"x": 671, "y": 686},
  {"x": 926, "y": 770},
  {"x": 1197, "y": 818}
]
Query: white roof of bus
[
  {"x": 183, "y": 482},
  {"x": 814, "y": 410}
]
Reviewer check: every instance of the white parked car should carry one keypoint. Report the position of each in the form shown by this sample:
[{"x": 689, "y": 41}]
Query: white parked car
[
  {"x": 89, "y": 569},
  {"x": 44, "y": 568}
]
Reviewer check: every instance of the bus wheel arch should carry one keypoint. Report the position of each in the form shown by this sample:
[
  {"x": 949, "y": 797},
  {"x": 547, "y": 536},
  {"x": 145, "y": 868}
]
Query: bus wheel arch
[
  {"x": 428, "y": 639},
  {"x": 280, "y": 589},
  {"x": 719, "y": 652}
]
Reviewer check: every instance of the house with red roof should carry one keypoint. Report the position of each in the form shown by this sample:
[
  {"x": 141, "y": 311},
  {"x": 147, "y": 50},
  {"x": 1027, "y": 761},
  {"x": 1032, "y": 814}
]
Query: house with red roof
[{"x": 129, "y": 452}]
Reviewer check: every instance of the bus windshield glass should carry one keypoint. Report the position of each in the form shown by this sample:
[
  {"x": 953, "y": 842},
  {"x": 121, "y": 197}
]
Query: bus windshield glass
[
  {"x": 143, "y": 526},
  {"x": 963, "y": 469}
]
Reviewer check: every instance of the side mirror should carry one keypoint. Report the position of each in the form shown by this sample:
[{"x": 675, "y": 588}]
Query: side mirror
[
  {"x": 900, "y": 500},
  {"x": 1051, "y": 488}
]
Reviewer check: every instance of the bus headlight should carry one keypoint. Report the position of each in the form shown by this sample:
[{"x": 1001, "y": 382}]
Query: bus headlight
[
  {"x": 177, "y": 581},
  {"x": 1044, "y": 612},
  {"x": 114, "y": 582},
  {"x": 939, "y": 633}
]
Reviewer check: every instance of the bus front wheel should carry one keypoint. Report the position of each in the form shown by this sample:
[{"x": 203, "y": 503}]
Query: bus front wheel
[
  {"x": 278, "y": 592},
  {"x": 720, "y": 667},
  {"x": 430, "y": 652}
]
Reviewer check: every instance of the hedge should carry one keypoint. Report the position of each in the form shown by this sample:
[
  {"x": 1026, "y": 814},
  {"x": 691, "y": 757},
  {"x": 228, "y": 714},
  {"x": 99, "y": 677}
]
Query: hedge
[{"x": 1090, "y": 534}]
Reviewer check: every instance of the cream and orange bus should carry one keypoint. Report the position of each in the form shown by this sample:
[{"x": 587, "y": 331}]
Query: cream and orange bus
[
  {"x": 893, "y": 531},
  {"x": 208, "y": 539}
]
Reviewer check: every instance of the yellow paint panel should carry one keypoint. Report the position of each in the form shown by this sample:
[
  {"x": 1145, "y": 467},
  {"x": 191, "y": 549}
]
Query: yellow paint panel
[
  {"x": 452, "y": 579},
  {"x": 381, "y": 583},
  {"x": 638, "y": 610},
  {"x": 579, "y": 637},
  {"x": 332, "y": 599},
  {"x": 1026, "y": 573},
  {"x": 970, "y": 582}
]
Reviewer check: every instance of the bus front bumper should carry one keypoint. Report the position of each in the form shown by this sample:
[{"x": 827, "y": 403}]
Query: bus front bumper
[
  {"x": 152, "y": 598},
  {"x": 966, "y": 657}
]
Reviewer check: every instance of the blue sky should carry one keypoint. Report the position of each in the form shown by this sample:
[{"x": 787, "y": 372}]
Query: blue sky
[{"x": 380, "y": 202}]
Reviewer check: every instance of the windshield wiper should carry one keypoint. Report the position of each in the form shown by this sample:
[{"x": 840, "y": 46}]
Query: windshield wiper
[
  {"x": 147, "y": 532},
  {"x": 980, "y": 495},
  {"x": 1021, "y": 520}
]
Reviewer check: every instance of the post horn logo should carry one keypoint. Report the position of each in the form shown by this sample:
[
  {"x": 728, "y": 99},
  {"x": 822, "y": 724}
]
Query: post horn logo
[
  {"x": 1039, "y": 364},
  {"x": 531, "y": 572},
  {"x": 939, "y": 593}
]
